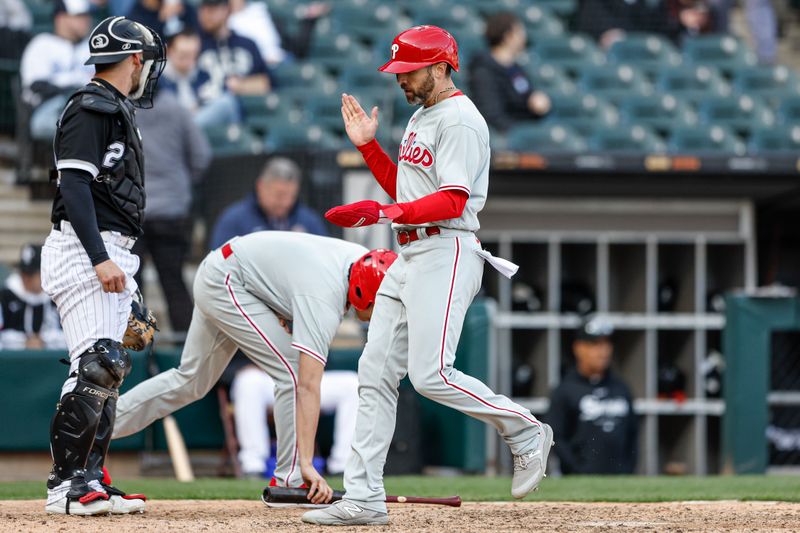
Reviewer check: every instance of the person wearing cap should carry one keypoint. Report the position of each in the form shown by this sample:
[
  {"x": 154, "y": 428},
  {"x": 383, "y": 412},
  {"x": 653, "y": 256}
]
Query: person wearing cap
[
  {"x": 53, "y": 66},
  {"x": 439, "y": 183},
  {"x": 167, "y": 17},
  {"x": 592, "y": 410},
  {"x": 87, "y": 265},
  {"x": 231, "y": 65},
  {"x": 28, "y": 317}
]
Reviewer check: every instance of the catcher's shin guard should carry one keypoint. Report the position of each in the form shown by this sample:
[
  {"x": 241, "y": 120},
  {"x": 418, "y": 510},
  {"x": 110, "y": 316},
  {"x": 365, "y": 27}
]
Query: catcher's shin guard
[{"x": 102, "y": 439}]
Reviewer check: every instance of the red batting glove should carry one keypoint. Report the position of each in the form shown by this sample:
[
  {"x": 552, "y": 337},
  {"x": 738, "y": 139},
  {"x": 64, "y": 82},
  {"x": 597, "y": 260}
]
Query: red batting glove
[{"x": 363, "y": 213}]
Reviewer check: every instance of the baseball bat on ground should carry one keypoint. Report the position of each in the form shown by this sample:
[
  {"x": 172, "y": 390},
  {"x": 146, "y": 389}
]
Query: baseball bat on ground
[
  {"x": 293, "y": 495},
  {"x": 177, "y": 450}
]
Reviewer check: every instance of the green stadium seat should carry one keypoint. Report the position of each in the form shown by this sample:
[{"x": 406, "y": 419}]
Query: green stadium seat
[
  {"x": 355, "y": 77},
  {"x": 770, "y": 83},
  {"x": 298, "y": 74},
  {"x": 741, "y": 114},
  {"x": 364, "y": 21},
  {"x": 573, "y": 53},
  {"x": 661, "y": 112},
  {"x": 454, "y": 18},
  {"x": 583, "y": 113},
  {"x": 724, "y": 52},
  {"x": 614, "y": 83},
  {"x": 544, "y": 138},
  {"x": 692, "y": 83},
  {"x": 233, "y": 140},
  {"x": 789, "y": 111},
  {"x": 783, "y": 140},
  {"x": 261, "y": 113},
  {"x": 333, "y": 51},
  {"x": 562, "y": 8},
  {"x": 327, "y": 112},
  {"x": 704, "y": 140},
  {"x": 541, "y": 22},
  {"x": 302, "y": 137},
  {"x": 631, "y": 139},
  {"x": 647, "y": 52},
  {"x": 550, "y": 79}
]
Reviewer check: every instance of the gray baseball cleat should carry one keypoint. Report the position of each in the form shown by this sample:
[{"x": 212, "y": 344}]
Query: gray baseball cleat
[
  {"x": 529, "y": 468},
  {"x": 346, "y": 513}
]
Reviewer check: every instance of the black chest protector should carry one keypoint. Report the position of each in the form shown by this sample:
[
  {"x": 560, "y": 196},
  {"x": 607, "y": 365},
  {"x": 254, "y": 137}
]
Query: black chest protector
[{"x": 124, "y": 179}]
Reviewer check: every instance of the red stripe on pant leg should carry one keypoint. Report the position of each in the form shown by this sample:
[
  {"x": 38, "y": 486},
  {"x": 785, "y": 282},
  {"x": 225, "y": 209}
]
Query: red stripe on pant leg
[
  {"x": 444, "y": 343},
  {"x": 277, "y": 352}
]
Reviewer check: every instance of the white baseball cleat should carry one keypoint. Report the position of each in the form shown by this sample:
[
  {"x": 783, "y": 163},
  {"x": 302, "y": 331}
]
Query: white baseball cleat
[
  {"x": 74, "y": 497},
  {"x": 121, "y": 503},
  {"x": 529, "y": 468},
  {"x": 346, "y": 513}
]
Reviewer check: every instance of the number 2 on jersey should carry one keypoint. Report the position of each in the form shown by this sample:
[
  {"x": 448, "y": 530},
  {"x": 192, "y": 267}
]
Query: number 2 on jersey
[{"x": 114, "y": 154}]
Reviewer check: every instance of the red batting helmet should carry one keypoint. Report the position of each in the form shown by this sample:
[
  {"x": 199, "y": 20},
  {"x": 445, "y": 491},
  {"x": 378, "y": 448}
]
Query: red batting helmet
[
  {"x": 419, "y": 47},
  {"x": 366, "y": 275}
]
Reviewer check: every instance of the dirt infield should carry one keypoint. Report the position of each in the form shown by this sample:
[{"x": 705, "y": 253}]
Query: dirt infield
[{"x": 251, "y": 516}]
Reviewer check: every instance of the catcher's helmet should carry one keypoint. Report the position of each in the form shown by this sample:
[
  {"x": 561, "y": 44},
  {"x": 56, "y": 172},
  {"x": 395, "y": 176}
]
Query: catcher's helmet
[
  {"x": 366, "y": 275},
  {"x": 419, "y": 47},
  {"x": 116, "y": 38}
]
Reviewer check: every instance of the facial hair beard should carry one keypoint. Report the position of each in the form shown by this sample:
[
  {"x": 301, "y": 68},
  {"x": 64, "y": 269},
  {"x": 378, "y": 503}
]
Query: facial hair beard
[
  {"x": 135, "y": 80},
  {"x": 420, "y": 96}
]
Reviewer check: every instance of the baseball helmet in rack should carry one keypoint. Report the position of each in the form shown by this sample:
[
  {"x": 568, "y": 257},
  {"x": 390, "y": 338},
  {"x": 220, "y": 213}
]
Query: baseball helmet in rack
[
  {"x": 115, "y": 38},
  {"x": 419, "y": 47},
  {"x": 366, "y": 275}
]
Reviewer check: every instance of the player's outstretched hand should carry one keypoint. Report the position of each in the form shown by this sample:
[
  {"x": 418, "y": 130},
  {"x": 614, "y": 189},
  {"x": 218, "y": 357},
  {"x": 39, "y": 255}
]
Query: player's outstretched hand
[
  {"x": 319, "y": 491},
  {"x": 363, "y": 213},
  {"x": 360, "y": 127},
  {"x": 111, "y": 277}
]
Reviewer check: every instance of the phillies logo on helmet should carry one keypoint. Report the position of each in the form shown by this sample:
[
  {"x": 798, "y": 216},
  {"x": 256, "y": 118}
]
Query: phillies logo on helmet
[
  {"x": 415, "y": 155},
  {"x": 395, "y": 48}
]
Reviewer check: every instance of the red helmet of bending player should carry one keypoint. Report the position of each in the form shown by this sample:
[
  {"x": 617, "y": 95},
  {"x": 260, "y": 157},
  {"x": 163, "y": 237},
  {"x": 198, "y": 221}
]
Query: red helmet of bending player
[
  {"x": 419, "y": 47},
  {"x": 366, "y": 275}
]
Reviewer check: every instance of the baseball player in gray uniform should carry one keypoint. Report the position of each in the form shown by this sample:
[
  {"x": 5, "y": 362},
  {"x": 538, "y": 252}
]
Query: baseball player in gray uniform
[
  {"x": 279, "y": 296},
  {"x": 440, "y": 183}
]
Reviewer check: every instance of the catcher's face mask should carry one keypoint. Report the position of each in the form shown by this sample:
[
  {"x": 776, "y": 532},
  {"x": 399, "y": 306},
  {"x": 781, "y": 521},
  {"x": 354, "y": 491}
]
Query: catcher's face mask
[{"x": 155, "y": 58}]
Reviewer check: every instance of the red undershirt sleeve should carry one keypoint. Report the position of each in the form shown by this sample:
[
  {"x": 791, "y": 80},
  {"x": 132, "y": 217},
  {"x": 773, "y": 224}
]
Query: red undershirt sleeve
[
  {"x": 381, "y": 165},
  {"x": 441, "y": 205}
]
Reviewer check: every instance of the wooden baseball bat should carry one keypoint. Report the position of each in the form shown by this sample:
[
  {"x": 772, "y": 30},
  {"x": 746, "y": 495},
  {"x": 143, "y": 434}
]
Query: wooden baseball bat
[
  {"x": 294, "y": 495},
  {"x": 177, "y": 450}
]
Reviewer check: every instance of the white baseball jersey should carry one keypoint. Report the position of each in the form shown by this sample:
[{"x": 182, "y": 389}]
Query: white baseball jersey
[
  {"x": 313, "y": 294},
  {"x": 446, "y": 147}
]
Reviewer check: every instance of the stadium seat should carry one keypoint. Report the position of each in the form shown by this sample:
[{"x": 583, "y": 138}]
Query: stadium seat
[
  {"x": 541, "y": 23},
  {"x": 298, "y": 74},
  {"x": 789, "y": 111},
  {"x": 327, "y": 112},
  {"x": 659, "y": 112},
  {"x": 544, "y": 138},
  {"x": 302, "y": 137},
  {"x": 635, "y": 139},
  {"x": 784, "y": 140},
  {"x": 454, "y": 18},
  {"x": 614, "y": 82},
  {"x": 692, "y": 83},
  {"x": 572, "y": 53},
  {"x": 721, "y": 51},
  {"x": 262, "y": 113},
  {"x": 550, "y": 79},
  {"x": 704, "y": 140},
  {"x": 364, "y": 21},
  {"x": 741, "y": 114},
  {"x": 647, "y": 52},
  {"x": 332, "y": 51},
  {"x": 232, "y": 140},
  {"x": 583, "y": 113},
  {"x": 770, "y": 83},
  {"x": 355, "y": 77},
  {"x": 562, "y": 8}
]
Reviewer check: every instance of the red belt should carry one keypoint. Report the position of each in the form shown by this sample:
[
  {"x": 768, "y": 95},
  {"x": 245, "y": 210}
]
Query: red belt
[
  {"x": 405, "y": 237},
  {"x": 227, "y": 251}
]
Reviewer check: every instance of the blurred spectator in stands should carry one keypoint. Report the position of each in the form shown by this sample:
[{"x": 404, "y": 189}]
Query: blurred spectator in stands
[
  {"x": 177, "y": 156},
  {"x": 167, "y": 17},
  {"x": 28, "y": 317},
  {"x": 15, "y": 27},
  {"x": 232, "y": 64},
  {"x": 52, "y": 65},
  {"x": 181, "y": 74},
  {"x": 690, "y": 18},
  {"x": 120, "y": 8},
  {"x": 272, "y": 206},
  {"x": 254, "y": 21},
  {"x": 607, "y": 21},
  {"x": 498, "y": 85},
  {"x": 591, "y": 410}
]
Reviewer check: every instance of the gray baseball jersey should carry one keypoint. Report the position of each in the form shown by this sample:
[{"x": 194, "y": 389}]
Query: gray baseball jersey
[
  {"x": 275, "y": 269},
  {"x": 446, "y": 147}
]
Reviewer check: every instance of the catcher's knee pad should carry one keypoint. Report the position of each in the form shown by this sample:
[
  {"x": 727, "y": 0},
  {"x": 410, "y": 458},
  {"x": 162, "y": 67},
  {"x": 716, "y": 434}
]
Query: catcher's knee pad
[
  {"x": 73, "y": 429},
  {"x": 105, "y": 364}
]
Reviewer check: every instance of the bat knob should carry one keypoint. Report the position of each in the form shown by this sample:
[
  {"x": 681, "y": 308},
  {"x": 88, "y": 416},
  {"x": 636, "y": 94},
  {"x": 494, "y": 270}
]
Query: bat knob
[{"x": 401, "y": 499}]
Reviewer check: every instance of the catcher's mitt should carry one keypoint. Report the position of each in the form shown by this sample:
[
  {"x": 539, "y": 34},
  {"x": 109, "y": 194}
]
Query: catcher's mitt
[{"x": 141, "y": 326}]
